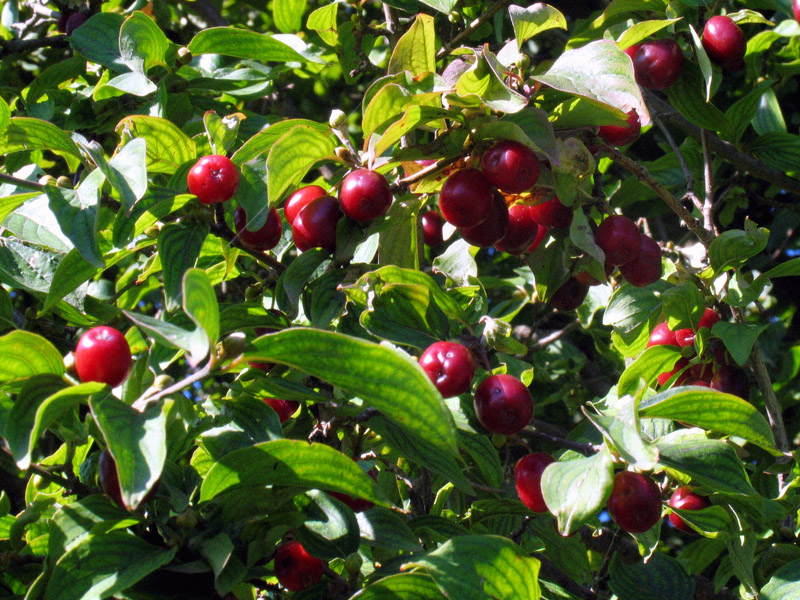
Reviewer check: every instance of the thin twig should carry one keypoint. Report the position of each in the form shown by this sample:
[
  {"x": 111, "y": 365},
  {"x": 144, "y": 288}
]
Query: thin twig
[
  {"x": 144, "y": 400},
  {"x": 23, "y": 183},
  {"x": 27, "y": 45},
  {"x": 423, "y": 173},
  {"x": 601, "y": 572},
  {"x": 534, "y": 434},
  {"x": 687, "y": 173},
  {"x": 555, "y": 336},
  {"x": 708, "y": 202},
  {"x": 445, "y": 50},
  {"x": 72, "y": 485}
]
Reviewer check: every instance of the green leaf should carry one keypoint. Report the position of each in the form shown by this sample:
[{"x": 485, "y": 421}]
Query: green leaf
[
  {"x": 288, "y": 14},
  {"x": 779, "y": 150},
  {"x": 25, "y": 133},
  {"x": 179, "y": 247},
  {"x": 76, "y": 213},
  {"x": 294, "y": 279},
  {"x": 733, "y": 247},
  {"x": 712, "y": 521},
  {"x": 630, "y": 308},
  {"x": 330, "y": 528},
  {"x": 291, "y": 157},
  {"x": 687, "y": 95},
  {"x": 635, "y": 451},
  {"x": 288, "y": 463},
  {"x": 404, "y": 586},
  {"x": 240, "y": 43},
  {"x": 228, "y": 569},
  {"x": 142, "y": 43},
  {"x": 323, "y": 21},
  {"x": 783, "y": 583},
  {"x": 769, "y": 117},
  {"x": 741, "y": 550},
  {"x": 399, "y": 242},
  {"x": 416, "y": 49},
  {"x": 712, "y": 410},
  {"x": 5, "y": 116},
  {"x": 684, "y": 305},
  {"x": 476, "y": 567},
  {"x": 98, "y": 40},
  {"x": 457, "y": 262},
  {"x": 576, "y": 490},
  {"x": 413, "y": 117},
  {"x": 609, "y": 81},
  {"x": 741, "y": 113},
  {"x": 535, "y": 124},
  {"x": 167, "y": 146},
  {"x": 127, "y": 172},
  {"x": 24, "y": 354},
  {"x": 703, "y": 62},
  {"x": 222, "y": 133},
  {"x": 443, "y": 6},
  {"x": 261, "y": 142},
  {"x": 550, "y": 264},
  {"x": 641, "y": 31},
  {"x": 708, "y": 462},
  {"x": 200, "y": 303},
  {"x": 136, "y": 440},
  {"x": 531, "y": 20},
  {"x": 480, "y": 449},
  {"x": 483, "y": 82},
  {"x": 382, "y": 528},
  {"x": 103, "y": 565},
  {"x": 738, "y": 338},
  {"x": 660, "y": 578}
]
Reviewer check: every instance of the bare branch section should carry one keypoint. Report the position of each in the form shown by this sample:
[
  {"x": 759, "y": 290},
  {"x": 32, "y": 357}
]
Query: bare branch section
[
  {"x": 445, "y": 50},
  {"x": 28, "y": 45}
]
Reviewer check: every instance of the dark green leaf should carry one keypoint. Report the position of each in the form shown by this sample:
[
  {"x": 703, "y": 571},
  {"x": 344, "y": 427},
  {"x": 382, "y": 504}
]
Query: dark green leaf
[
  {"x": 631, "y": 307},
  {"x": 294, "y": 279},
  {"x": 731, "y": 248},
  {"x": 179, "y": 246},
  {"x": 200, "y": 303},
  {"x": 98, "y": 40},
  {"x": 142, "y": 43},
  {"x": 404, "y": 586},
  {"x": 483, "y": 82},
  {"x": 531, "y": 20},
  {"x": 684, "y": 305},
  {"x": 738, "y": 338},
  {"x": 240, "y": 43},
  {"x": 76, "y": 212},
  {"x": 24, "y": 354},
  {"x": 779, "y": 150},
  {"x": 653, "y": 361},
  {"x": 783, "y": 583},
  {"x": 329, "y": 527},
  {"x": 167, "y": 146},
  {"x": 384, "y": 528},
  {"x": 661, "y": 578}
]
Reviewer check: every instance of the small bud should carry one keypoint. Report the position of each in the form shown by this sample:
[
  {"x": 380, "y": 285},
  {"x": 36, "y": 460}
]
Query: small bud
[
  {"x": 162, "y": 382},
  {"x": 337, "y": 119},
  {"x": 252, "y": 292},
  {"x": 523, "y": 62},
  {"x": 344, "y": 155},
  {"x": 498, "y": 440},
  {"x": 153, "y": 230},
  {"x": 352, "y": 564},
  {"x": 233, "y": 345},
  {"x": 47, "y": 180},
  {"x": 64, "y": 182},
  {"x": 69, "y": 365},
  {"x": 184, "y": 56}
]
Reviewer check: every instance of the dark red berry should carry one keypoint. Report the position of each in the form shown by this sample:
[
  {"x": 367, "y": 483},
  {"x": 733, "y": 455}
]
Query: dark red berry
[
  {"x": 74, "y": 21},
  {"x": 295, "y": 568},
  {"x": 510, "y": 166},
  {"x": 570, "y": 295},
  {"x": 295, "y": 203},
  {"x": 522, "y": 230},
  {"x": 723, "y": 40},
  {"x": 450, "y": 366},
  {"x": 686, "y": 335},
  {"x": 265, "y": 238},
  {"x": 365, "y": 195},
  {"x": 796, "y": 10},
  {"x": 540, "y": 235},
  {"x": 432, "y": 223},
  {"x": 619, "y": 238},
  {"x": 731, "y": 380},
  {"x": 617, "y": 135},
  {"x": 466, "y": 198},
  {"x": 552, "y": 214},
  {"x": 586, "y": 278},
  {"x": 646, "y": 267},
  {"x": 658, "y": 64},
  {"x": 662, "y": 335},
  {"x": 528, "y": 479},
  {"x": 284, "y": 408},
  {"x": 315, "y": 225},
  {"x": 685, "y": 499},
  {"x": 632, "y": 50},
  {"x": 492, "y": 229},
  {"x": 681, "y": 364},
  {"x": 635, "y": 502},
  {"x": 503, "y": 404},
  {"x": 109, "y": 478}
]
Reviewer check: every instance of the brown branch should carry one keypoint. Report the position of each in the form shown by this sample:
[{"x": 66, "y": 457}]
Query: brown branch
[
  {"x": 23, "y": 183},
  {"x": 707, "y": 209},
  {"x": 740, "y": 160},
  {"x": 73, "y": 485},
  {"x": 535, "y": 434},
  {"x": 27, "y": 45},
  {"x": 445, "y": 50}
]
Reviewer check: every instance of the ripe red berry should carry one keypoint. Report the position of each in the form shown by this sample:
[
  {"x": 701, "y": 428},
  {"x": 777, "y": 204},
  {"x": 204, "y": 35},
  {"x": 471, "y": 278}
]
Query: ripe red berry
[
  {"x": 552, "y": 214},
  {"x": 295, "y": 203},
  {"x": 570, "y": 295},
  {"x": 646, "y": 267},
  {"x": 522, "y": 230},
  {"x": 284, "y": 408},
  {"x": 635, "y": 502},
  {"x": 109, "y": 478},
  {"x": 632, "y": 50},
  {"x": 685, "y": 499},
  {"x": 528, "y": 479},
  {"x": 365, "y": 195},
  {"x": 510, "y": 166},
  {"x": 662, "y": 335},
  {"x": 466, "y": 198},
  {"x": 503, "y": 404},
  {"x": 295, "y": 568},
  {"x": 619, "y": 238},
  {"x": 213, "y": 179},
  {"x": 617, "y": 135},
  {"x": 265, "y": 238},
  {"x": 682, "y": 363},
  {"x": 103, "y": 355},
  {"x": 724, "y": 42},
  {"x": 74, "y": 21},
  {"x": 450, "y": 366},
  {"x": 540, "y": 235},
  {"x": 432, "y": 223},
  {"x": 685, "y": 337},
  {"x": 315, "y": 225},
  {"x": 796, "y": 10},
  {"x": 658, "y": 64},
  {"x": 731, "y": 380},
  {"x": 492, "y": 229}
]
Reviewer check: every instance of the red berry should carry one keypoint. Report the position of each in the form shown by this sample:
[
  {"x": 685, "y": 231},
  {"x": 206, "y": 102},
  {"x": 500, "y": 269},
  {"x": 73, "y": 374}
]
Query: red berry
[
  {"x": 299, "y": 199},
  {"x": 658, "y": 64},
  {"x": 265, "y": 238},
  {"x": 213, "y": 179},
  {"x": 493, "y": 228},
  {"x": 685, "y": 499},
  {"x": 731, "y": 380},
  {"x": 74, "y": 21},
  {"x": 432, "y": 223},
  {"x": 632, "y": 50},
  {"x": 796, "y": 10},
  {"x": 295, "y": 568},
  {"x": 450, "y": 366},
  {"x": 540, "y": 235},
  {"x": 570, "y": 295},
  {"x": 645, "y": 268},
  {"x": 103, "y": 355},
  {"x": 109, "y": 478},
  {"x": 466, "y": 198},
  {"x": 682, "y": 363},
  {"x": 528, "y": 479},
  {"x": 522, "y": 230},
  {"x": 617, "y": 135},
  {"x": 315, "y": 225},
  {"x": 552, "y": 214},
  {"x": 635, "y": 502},
  {"x": 686, "y": 335},
  {"x": 365, "y": 195},
  {"x": 510, "y": 166},
  {"x": 697, "y": 382},
  {"x": 284, "y": 408},
  {"x": 662, "y": 335},
  {"x": 503, "y": 404},
  {"x": 620, "y": 239},
  {"x": 723, "y": 40}
]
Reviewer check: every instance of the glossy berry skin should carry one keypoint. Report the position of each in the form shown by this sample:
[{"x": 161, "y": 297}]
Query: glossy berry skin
[
  {"x": 466, "y": 198},
  {"x": 265, "y": 238},
  {"x": 213, "y": 179},
  {"x": 109, "y": 478},
  {"x": 503, "y": 404},
  {"x": 619, "y": 238},
  {"x": 552, "y": 214},
  {"x": 646, "y": 267},
  {"x": 528, "y": 479},
  {"x": 103, "y": 355},
  {"x": 570, "y": 295},
  {"x": 685, "y": 499},
  {"x": 796, "y": 10},
  {"x": 510, "y": 166},
  {"x": 284, "y": 408},
  {"x": 682, "y": 378},
  {"x": 686, "y": 335},
  {"x": 622, "y": 135},
  {"x": 731, "y": 380},
  {"x": 635, "y": 502},
  {"x": 493, "y": 228},
  {"x": 295, "y": 203},
  {"x": 74, "y": 21},
  {"x": 315, "y": 225},
  {"x": 723, "y": 40},
  {"x": 540, "y": 235},
  {"x": 365, "y": 195},
  {"x": 632, "y": 50},
  {"x": 295, "y": 568},
  {"x": 522, "y": 230},
  {"x": 432, "y": 223},
  {"x": 662, "y": 335},
  {"x": 658, "y": 64},
  {"x": 450, "y": 366}
]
